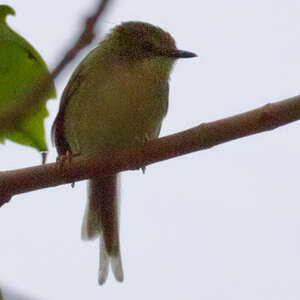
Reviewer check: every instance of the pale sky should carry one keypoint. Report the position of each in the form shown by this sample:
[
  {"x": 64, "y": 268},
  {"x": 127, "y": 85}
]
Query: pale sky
[{"x": 217, "y": 224}]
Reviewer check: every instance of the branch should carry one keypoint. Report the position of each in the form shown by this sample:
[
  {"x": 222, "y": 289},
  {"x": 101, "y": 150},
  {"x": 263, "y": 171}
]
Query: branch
[
  {"x": 198, "y": 138},
  {"x": 84, "y": 39}
]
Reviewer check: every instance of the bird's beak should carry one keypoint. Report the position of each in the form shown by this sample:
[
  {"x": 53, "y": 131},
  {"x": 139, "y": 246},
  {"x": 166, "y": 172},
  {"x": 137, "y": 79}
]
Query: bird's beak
[{"x": 181, "y": 54}]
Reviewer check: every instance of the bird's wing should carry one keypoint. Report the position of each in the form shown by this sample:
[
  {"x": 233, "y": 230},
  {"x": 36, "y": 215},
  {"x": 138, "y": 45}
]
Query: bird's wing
[{"x": 57, "y": 131}]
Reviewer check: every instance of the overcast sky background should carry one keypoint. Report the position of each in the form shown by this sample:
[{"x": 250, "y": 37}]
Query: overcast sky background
[{"x": 218, "y": 224}]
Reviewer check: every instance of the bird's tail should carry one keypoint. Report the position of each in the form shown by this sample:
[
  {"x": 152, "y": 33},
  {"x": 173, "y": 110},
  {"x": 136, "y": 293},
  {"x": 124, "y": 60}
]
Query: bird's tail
[{"x": 102, "y": 219}]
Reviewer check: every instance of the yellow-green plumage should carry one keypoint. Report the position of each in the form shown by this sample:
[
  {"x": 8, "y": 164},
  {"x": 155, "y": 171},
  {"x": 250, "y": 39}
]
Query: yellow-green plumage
[
  {"x": 127, "y": 102},
  {"x": 118, "y": 96}
]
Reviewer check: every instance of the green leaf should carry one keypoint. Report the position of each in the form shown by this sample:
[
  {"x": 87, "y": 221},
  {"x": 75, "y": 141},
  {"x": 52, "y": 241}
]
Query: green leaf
[
  {"x": 21, "y": 68},
  {"x": 31, "y": 131}
]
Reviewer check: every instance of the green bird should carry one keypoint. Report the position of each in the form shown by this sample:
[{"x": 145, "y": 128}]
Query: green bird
[{"x": 116, "y": 98}]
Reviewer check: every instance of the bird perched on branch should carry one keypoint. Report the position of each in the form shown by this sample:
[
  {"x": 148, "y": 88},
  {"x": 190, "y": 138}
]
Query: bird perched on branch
[{"x": 116, "y": 98}]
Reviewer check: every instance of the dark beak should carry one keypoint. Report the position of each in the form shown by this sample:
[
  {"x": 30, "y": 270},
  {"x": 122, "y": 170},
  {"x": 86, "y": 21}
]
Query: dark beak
[{"x": 181, "y": 54}]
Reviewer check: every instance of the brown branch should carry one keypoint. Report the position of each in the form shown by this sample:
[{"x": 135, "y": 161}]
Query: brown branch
[
  {"x": 198, "y": 138},
  {"x": 84, "y": 39}
]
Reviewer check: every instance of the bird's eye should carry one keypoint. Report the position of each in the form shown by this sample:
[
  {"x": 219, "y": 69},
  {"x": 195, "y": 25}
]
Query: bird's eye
[{"x": 147, "y": 46}]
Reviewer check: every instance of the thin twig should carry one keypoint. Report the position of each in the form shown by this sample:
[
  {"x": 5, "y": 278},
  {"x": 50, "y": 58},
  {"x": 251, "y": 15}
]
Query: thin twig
[
  {"x": 198, "y": 138},
  {"x": 85, "y": 38}
]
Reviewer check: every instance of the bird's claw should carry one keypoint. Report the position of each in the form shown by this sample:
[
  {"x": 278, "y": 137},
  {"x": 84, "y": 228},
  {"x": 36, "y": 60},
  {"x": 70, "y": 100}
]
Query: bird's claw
[{"x": 61, "y": 159}]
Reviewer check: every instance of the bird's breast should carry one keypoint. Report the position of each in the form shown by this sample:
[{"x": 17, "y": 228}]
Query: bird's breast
[{"x": 119, "y": 108}]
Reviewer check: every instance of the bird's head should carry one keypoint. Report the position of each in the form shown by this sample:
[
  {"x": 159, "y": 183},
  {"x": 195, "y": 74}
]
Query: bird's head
[{"x": 138, "y": 40}]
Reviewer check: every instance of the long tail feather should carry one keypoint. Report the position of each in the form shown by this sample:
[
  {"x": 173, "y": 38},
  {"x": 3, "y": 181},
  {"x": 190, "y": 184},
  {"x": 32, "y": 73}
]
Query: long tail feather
[
  {"x": 102, "y": 219},
  {"x": 104, "y": 262}
]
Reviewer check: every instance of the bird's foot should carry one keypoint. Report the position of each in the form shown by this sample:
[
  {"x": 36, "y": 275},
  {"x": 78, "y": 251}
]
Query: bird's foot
[{"x": 61, "y": 159}]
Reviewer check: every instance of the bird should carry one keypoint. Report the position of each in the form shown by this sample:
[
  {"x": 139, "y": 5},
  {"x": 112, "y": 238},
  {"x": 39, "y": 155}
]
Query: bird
[{"x": 117, "y": 97}]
